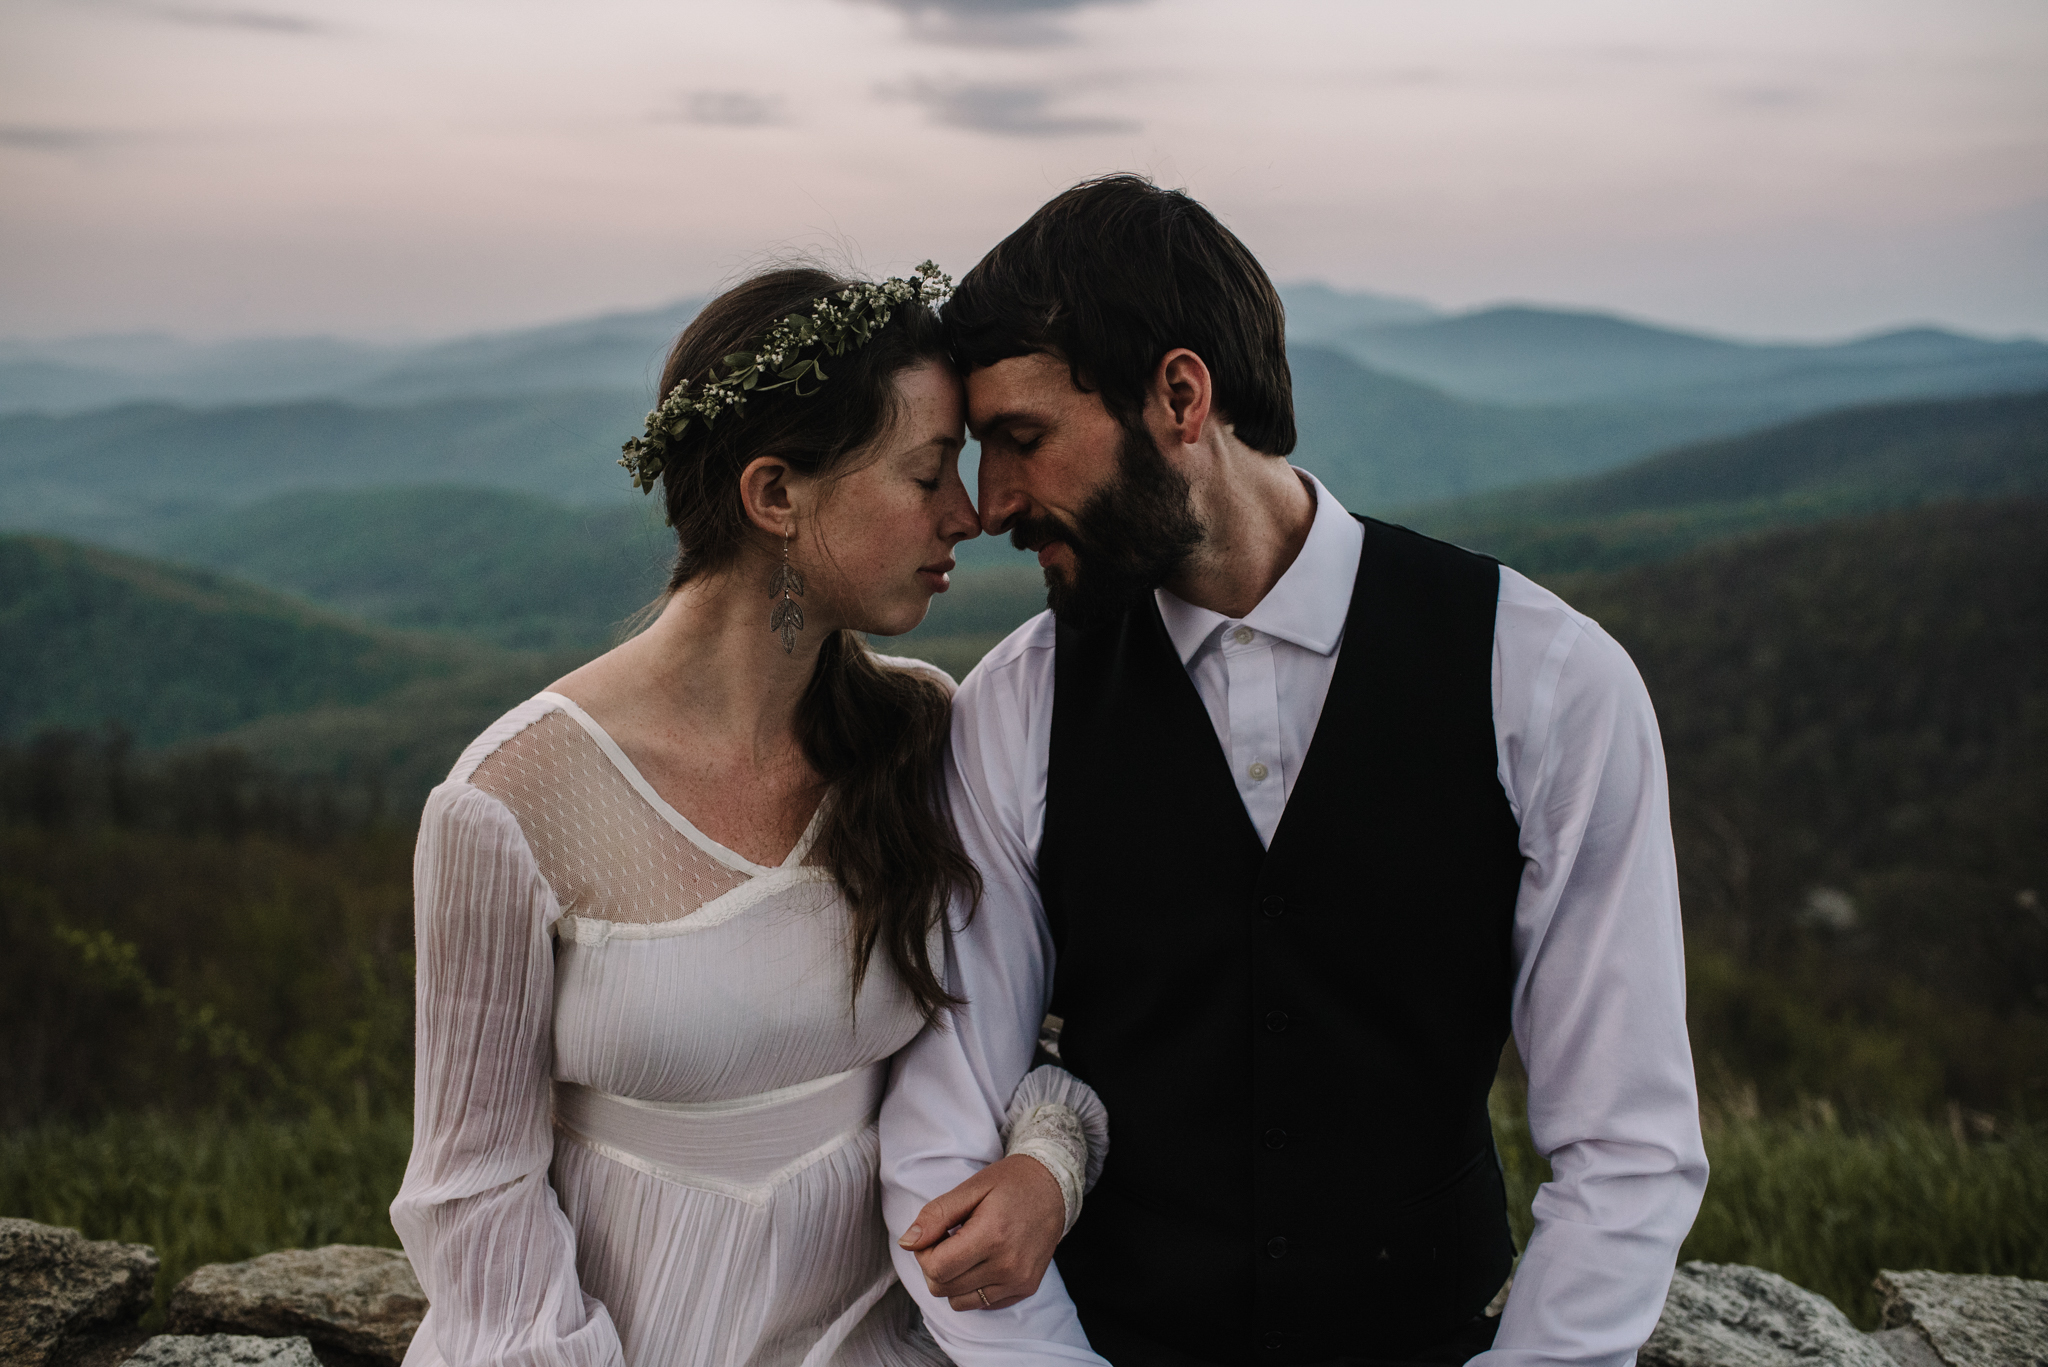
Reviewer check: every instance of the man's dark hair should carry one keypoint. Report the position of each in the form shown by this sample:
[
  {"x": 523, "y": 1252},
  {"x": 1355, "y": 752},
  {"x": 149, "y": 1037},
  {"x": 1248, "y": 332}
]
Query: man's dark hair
[{"x": 1112, "y": 275}]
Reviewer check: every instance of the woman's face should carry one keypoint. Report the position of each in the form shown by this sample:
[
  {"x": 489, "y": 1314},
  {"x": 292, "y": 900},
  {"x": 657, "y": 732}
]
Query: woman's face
[{"x": 886, "y": 530}]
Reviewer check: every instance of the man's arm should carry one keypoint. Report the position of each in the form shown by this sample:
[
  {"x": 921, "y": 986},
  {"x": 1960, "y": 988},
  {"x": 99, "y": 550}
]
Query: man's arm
[
  {"x": 1599, "y": 1007},
  {"x": 950, "y": 1089}
]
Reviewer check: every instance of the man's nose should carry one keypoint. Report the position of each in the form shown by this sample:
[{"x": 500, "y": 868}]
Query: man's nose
[{"x": 1001, "y": 501}]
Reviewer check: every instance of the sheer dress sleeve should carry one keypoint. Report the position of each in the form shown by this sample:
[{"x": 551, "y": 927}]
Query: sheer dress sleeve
[{"x": 477, "y": 1215}]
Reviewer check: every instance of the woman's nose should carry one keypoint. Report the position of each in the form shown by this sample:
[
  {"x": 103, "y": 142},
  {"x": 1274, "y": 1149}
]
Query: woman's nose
[{"x": 962, "y": 522}]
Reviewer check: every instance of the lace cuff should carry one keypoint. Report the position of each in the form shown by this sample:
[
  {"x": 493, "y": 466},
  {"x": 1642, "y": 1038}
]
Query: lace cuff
[{"x": 1057, "y": 1119}]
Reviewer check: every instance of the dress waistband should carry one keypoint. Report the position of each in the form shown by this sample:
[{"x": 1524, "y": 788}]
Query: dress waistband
[{"x": 745, "y": 1147}]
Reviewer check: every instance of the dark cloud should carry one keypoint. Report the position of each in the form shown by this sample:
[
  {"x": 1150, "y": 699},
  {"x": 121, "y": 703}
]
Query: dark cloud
[
  {"x": 1769, "y": 97},
  {"x": 1399, "y": 77},
  {"x": 49, "y": 138},
  {"x": 732, "y": 109},
  {"x": 1640, "y": 54},
  {"x": 1011, "y": 110},
  {"x": 247, "y": 20},
  {"x": 991, "y": 23}
]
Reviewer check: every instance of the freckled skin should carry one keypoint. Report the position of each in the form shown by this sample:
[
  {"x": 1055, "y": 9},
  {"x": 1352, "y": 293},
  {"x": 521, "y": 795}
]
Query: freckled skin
[
  {"x": 885, "y": 532},
  {"x": 704, "y": 700}
]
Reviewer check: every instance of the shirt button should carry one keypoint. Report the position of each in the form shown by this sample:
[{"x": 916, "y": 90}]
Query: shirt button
[
  {"x": 1257, "y": 772},
  {"x": 1276, "y": 1248},
  {"x": 1276, "y": 1021},
  {"x": 1243, "y": 636},
  {"x": 1276, "y": 1139}
]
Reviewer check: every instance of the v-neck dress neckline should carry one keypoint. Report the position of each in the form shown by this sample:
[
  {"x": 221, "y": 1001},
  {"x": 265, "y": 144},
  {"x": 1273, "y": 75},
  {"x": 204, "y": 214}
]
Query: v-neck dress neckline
[{"x": 683, "y": 826}]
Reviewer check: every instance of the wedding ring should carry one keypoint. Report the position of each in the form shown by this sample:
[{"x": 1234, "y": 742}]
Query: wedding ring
[{"x": 982, "y": 1292}]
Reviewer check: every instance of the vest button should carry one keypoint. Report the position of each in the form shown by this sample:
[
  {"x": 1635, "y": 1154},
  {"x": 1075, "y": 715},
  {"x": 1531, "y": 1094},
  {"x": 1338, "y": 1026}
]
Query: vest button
[
  {"x": 1276, "y": 1139},
  {"x": 1276, "y": 1021},
  {"x": 1276, "y": 1248},
  {"x": 1275, "y": 905},
  {"x": 1272, "y": 1338}
]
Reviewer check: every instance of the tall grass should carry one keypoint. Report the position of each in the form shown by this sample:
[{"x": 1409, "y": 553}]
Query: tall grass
[
  {"x": 210, "y": 1190},
  {"x": 1824, "y": 1205},
  {"x": 1828, "y": 1205}
]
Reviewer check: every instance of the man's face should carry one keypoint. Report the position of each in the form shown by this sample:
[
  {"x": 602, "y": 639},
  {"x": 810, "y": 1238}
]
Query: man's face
[{"x": 1109, "y": 516}]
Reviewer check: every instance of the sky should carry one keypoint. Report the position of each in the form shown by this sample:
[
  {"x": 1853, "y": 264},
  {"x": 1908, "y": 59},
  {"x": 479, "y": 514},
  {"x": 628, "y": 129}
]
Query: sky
[{"x": 421, "y": 168}]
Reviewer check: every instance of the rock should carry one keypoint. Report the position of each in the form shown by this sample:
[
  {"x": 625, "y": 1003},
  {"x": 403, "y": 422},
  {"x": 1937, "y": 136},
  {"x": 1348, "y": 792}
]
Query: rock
[
  {"x": 1726, "y": 1315},
  {"x": 345, "y": 1298},
  {"x": 223, "y": 1350},
  {"x": 57, "y": 1287},
  {"x": 1908, "y": 1347},
  {"x": 1971, "y": 1321}
]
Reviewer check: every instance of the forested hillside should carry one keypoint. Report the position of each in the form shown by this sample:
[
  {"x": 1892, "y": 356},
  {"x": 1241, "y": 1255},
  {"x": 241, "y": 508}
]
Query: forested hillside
[
  {"x": 127, "y": 476},
  {"x": 93, "y": 638},
  {"x": 1856, "y": 718},
  {"x": 514, "y": 569},
  {"x": 1855, "y": 461},
  {"x": 1519, "y": 354},
  {"x": 1379, "y": 441}
]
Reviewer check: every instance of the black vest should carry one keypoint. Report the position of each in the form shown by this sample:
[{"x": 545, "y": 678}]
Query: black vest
[{"x": 1296, "y": 1044}]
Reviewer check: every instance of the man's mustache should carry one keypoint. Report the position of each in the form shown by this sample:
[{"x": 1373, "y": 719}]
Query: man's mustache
[{"x": 1030, "y": 533}]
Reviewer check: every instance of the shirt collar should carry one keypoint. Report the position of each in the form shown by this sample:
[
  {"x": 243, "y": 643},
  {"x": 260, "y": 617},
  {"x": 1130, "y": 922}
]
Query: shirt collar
[{"x": 1310, "y": 603}]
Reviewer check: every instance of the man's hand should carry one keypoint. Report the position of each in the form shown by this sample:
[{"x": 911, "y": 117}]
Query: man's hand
[{"x": 1005, "y": 1222}]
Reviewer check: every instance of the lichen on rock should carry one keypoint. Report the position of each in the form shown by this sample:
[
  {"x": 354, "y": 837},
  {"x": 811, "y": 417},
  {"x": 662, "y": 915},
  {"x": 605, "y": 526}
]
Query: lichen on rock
[
  {"x": 1730, "y": 1315},
  {"x": 223, "y": 1350},
  {"x": 57, "y": 1287},
  {"x": 1971, "y": 1321},
  {"x": 345, "y": 1298}
]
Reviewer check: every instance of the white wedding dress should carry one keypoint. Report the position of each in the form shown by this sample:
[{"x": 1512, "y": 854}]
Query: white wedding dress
[{"x": 645, "y": 1119}]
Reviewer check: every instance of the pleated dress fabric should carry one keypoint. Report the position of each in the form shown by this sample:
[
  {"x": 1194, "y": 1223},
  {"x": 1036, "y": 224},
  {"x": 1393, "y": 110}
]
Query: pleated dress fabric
[{"x": 645, "y": 1107}]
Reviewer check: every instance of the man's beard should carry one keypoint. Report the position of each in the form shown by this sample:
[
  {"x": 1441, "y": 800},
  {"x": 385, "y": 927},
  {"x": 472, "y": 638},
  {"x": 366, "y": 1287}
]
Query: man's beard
[{"x": 1128, "y": 539}]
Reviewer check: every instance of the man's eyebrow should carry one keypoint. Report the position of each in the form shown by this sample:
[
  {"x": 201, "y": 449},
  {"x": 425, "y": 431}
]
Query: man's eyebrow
[{"x": 999, "y": 420}]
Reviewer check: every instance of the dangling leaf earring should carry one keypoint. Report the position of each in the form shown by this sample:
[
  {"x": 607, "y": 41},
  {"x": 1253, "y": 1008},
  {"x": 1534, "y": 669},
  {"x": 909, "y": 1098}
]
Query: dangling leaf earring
[{"x": 786, "y": 618}]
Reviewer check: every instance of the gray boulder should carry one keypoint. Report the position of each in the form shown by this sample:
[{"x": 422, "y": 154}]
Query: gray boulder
[
  {"x": 1970, "y": 1321},
  {"x": 1908, "y": 1347},
  {"x": 57, "y": 1288},
  {"x": 223, "y": 1350},
  {"x": 1727, "y": 1315},
  {"x": 344, "y": 1298}
]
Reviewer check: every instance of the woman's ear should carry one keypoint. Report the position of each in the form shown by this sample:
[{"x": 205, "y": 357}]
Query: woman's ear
[{"x": 766, "y": 495}]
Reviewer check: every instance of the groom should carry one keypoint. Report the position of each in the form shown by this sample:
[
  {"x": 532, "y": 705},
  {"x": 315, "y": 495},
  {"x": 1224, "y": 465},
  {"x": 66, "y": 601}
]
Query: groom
[{"x": 1308, "y": 813}]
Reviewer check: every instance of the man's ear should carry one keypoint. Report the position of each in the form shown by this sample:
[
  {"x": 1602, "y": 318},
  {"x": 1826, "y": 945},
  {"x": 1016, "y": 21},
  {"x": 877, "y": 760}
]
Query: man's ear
[
  {"x": 766, "y": 495},
  {"x": 1182, "y": 395}
]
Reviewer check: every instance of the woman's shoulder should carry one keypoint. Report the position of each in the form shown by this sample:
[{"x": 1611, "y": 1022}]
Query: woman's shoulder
[
  {"x": 494, "y": 736},
  {"x": 911, "y": 665}
]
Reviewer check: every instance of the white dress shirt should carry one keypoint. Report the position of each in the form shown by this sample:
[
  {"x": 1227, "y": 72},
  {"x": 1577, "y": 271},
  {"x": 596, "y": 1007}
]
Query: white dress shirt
[{"x": 1598, "y": 1010}]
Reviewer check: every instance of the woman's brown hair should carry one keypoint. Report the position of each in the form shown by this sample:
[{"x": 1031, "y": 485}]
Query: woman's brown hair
[{"x": 873, "y": 733}]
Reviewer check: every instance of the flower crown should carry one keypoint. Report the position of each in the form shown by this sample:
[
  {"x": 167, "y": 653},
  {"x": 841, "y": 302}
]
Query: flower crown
[{"x": 790, "y": 353}]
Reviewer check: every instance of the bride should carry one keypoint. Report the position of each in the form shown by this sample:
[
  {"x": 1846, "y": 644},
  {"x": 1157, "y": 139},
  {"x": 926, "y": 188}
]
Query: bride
[{"x": 676, "y": 913}]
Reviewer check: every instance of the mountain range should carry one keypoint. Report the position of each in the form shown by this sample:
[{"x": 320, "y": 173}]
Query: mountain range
[
  {"x": 1837, "y": 464},
  {"x": 128, "y": 441},
  {"x": 466, "y": 583}
]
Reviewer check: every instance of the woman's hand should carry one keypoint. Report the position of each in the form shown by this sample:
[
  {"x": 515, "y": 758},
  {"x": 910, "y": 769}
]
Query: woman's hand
[{"x": 986, "y": 1243}]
